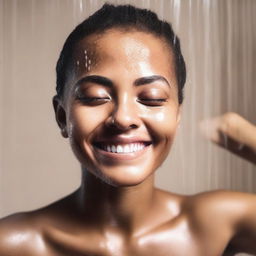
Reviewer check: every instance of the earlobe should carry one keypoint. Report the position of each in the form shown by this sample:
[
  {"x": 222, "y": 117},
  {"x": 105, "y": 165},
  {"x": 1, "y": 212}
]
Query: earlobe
[
  {"x": 60, "y": 115},
  {"x": 64, "y": 133}
]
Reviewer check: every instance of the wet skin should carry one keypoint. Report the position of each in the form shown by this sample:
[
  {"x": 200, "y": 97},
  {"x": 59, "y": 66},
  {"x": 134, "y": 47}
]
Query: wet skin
[{"x": 122, "y": 97}]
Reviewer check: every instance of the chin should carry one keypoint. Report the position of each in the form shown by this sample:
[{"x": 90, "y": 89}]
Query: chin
[{"x": 124, "y": 177}]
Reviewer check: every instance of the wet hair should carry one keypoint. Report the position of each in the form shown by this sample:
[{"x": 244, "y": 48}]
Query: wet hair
[{"x": 122, "y": 17}]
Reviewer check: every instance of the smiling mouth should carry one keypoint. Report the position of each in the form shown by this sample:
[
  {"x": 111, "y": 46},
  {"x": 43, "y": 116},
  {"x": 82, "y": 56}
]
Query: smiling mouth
[{"x": 127, "y": 148}]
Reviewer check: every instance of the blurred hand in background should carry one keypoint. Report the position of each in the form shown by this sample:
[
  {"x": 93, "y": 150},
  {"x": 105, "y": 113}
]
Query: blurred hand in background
[{"x": 232, "y": 132}]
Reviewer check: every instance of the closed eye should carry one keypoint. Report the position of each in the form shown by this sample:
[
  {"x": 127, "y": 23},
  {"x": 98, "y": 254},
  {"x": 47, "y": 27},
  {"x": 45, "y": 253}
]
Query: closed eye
[
  {"x": 93, "y": 100},
  {"x": 152, "y": 102}
]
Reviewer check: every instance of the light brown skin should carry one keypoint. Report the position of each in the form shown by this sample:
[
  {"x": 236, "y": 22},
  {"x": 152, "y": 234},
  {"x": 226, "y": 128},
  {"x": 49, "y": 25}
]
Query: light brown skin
[{"x": 117, "y": 210}]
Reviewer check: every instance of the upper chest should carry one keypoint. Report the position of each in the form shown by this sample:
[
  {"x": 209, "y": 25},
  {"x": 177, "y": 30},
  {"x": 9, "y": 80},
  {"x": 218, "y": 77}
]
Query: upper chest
[{"x": 172, "y": 239}]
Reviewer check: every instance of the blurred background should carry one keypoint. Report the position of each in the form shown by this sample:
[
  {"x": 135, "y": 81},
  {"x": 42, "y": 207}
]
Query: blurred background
[{"x": 218, "y": 39}]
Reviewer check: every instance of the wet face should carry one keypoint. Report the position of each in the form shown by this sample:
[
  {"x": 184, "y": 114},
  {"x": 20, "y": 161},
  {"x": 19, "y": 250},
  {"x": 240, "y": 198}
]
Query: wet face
[{"x": 121, "y": 107}]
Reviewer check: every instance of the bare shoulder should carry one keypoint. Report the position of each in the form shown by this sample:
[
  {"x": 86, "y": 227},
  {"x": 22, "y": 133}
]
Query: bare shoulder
[
  {"x": 221, "y": 208},
  {"x": 20, "y": 234},
  {"x": 25, "y": 233},
  {"x": 222, "y": 201}
]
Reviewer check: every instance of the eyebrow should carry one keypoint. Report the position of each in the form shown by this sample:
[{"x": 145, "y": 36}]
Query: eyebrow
[
  {"x": 96, "y": 79},
  {"x": 150, "y": 79},
  {"x": 107, "y": 82}
]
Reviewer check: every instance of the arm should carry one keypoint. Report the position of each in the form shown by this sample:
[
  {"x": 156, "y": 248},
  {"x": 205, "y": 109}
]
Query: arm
[{"x": 234, "y": 133}]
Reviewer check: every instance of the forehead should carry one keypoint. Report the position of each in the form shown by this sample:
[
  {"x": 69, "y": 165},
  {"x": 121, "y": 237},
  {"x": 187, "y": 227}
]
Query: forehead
[{"x": 126, "y": 47}]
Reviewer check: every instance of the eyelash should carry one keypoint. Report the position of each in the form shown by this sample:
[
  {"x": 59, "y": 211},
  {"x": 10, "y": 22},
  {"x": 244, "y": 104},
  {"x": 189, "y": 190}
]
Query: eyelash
[
  {"x": 93, "y": 100},
  {"x": 152, "y": 102},
  {"x": 99, "y": 101}
]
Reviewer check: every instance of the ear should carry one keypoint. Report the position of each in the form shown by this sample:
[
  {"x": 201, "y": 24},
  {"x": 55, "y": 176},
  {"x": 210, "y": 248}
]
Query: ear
[{"x": 60, "y": 115}]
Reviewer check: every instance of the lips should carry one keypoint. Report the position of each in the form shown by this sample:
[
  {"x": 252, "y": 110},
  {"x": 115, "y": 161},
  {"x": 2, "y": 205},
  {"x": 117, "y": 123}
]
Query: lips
[
  {"x": 121, "y": 149},
  {"x": 124, "y": 148}
]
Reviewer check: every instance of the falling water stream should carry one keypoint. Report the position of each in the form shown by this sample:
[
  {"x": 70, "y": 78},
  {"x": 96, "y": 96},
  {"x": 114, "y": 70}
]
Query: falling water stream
[{"x": 218, "y": 38}]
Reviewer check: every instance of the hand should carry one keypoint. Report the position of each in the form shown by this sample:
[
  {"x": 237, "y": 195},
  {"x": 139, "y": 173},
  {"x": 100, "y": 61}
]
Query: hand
[{"x": 232, "y": 132}]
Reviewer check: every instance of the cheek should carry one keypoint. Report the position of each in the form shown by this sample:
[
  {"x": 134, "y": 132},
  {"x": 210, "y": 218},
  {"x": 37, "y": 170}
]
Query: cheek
[
  {"x": 83, "y": 120},
  {"x": 162, "y": 122},
  {"x": 162, "y": 125}
]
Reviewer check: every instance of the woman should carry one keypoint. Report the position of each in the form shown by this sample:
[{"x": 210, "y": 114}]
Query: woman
[{"x": 120, "y": 77}]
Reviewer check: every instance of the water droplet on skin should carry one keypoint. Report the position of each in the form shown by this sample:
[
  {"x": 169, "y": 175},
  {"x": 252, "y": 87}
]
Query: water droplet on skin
[{"x": 160, "y": 116}]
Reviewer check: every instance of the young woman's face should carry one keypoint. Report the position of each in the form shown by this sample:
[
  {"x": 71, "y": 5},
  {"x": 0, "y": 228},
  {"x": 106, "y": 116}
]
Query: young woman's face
[{"x": 122, "y": 106}]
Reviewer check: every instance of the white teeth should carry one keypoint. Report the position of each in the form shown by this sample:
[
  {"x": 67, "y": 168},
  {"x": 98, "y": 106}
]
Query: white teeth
[
  {"x": 127, "y": 148},
  {"x": 119, "y": 149},
  {"x": 113, "y": 148}
]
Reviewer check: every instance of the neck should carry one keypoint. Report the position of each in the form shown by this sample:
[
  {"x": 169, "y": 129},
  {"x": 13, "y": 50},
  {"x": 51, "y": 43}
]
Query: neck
[{"x": 122, "y": 207}]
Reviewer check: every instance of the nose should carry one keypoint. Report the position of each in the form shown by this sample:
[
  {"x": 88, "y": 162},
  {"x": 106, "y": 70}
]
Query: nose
[{"x": 125, "y": 114}]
